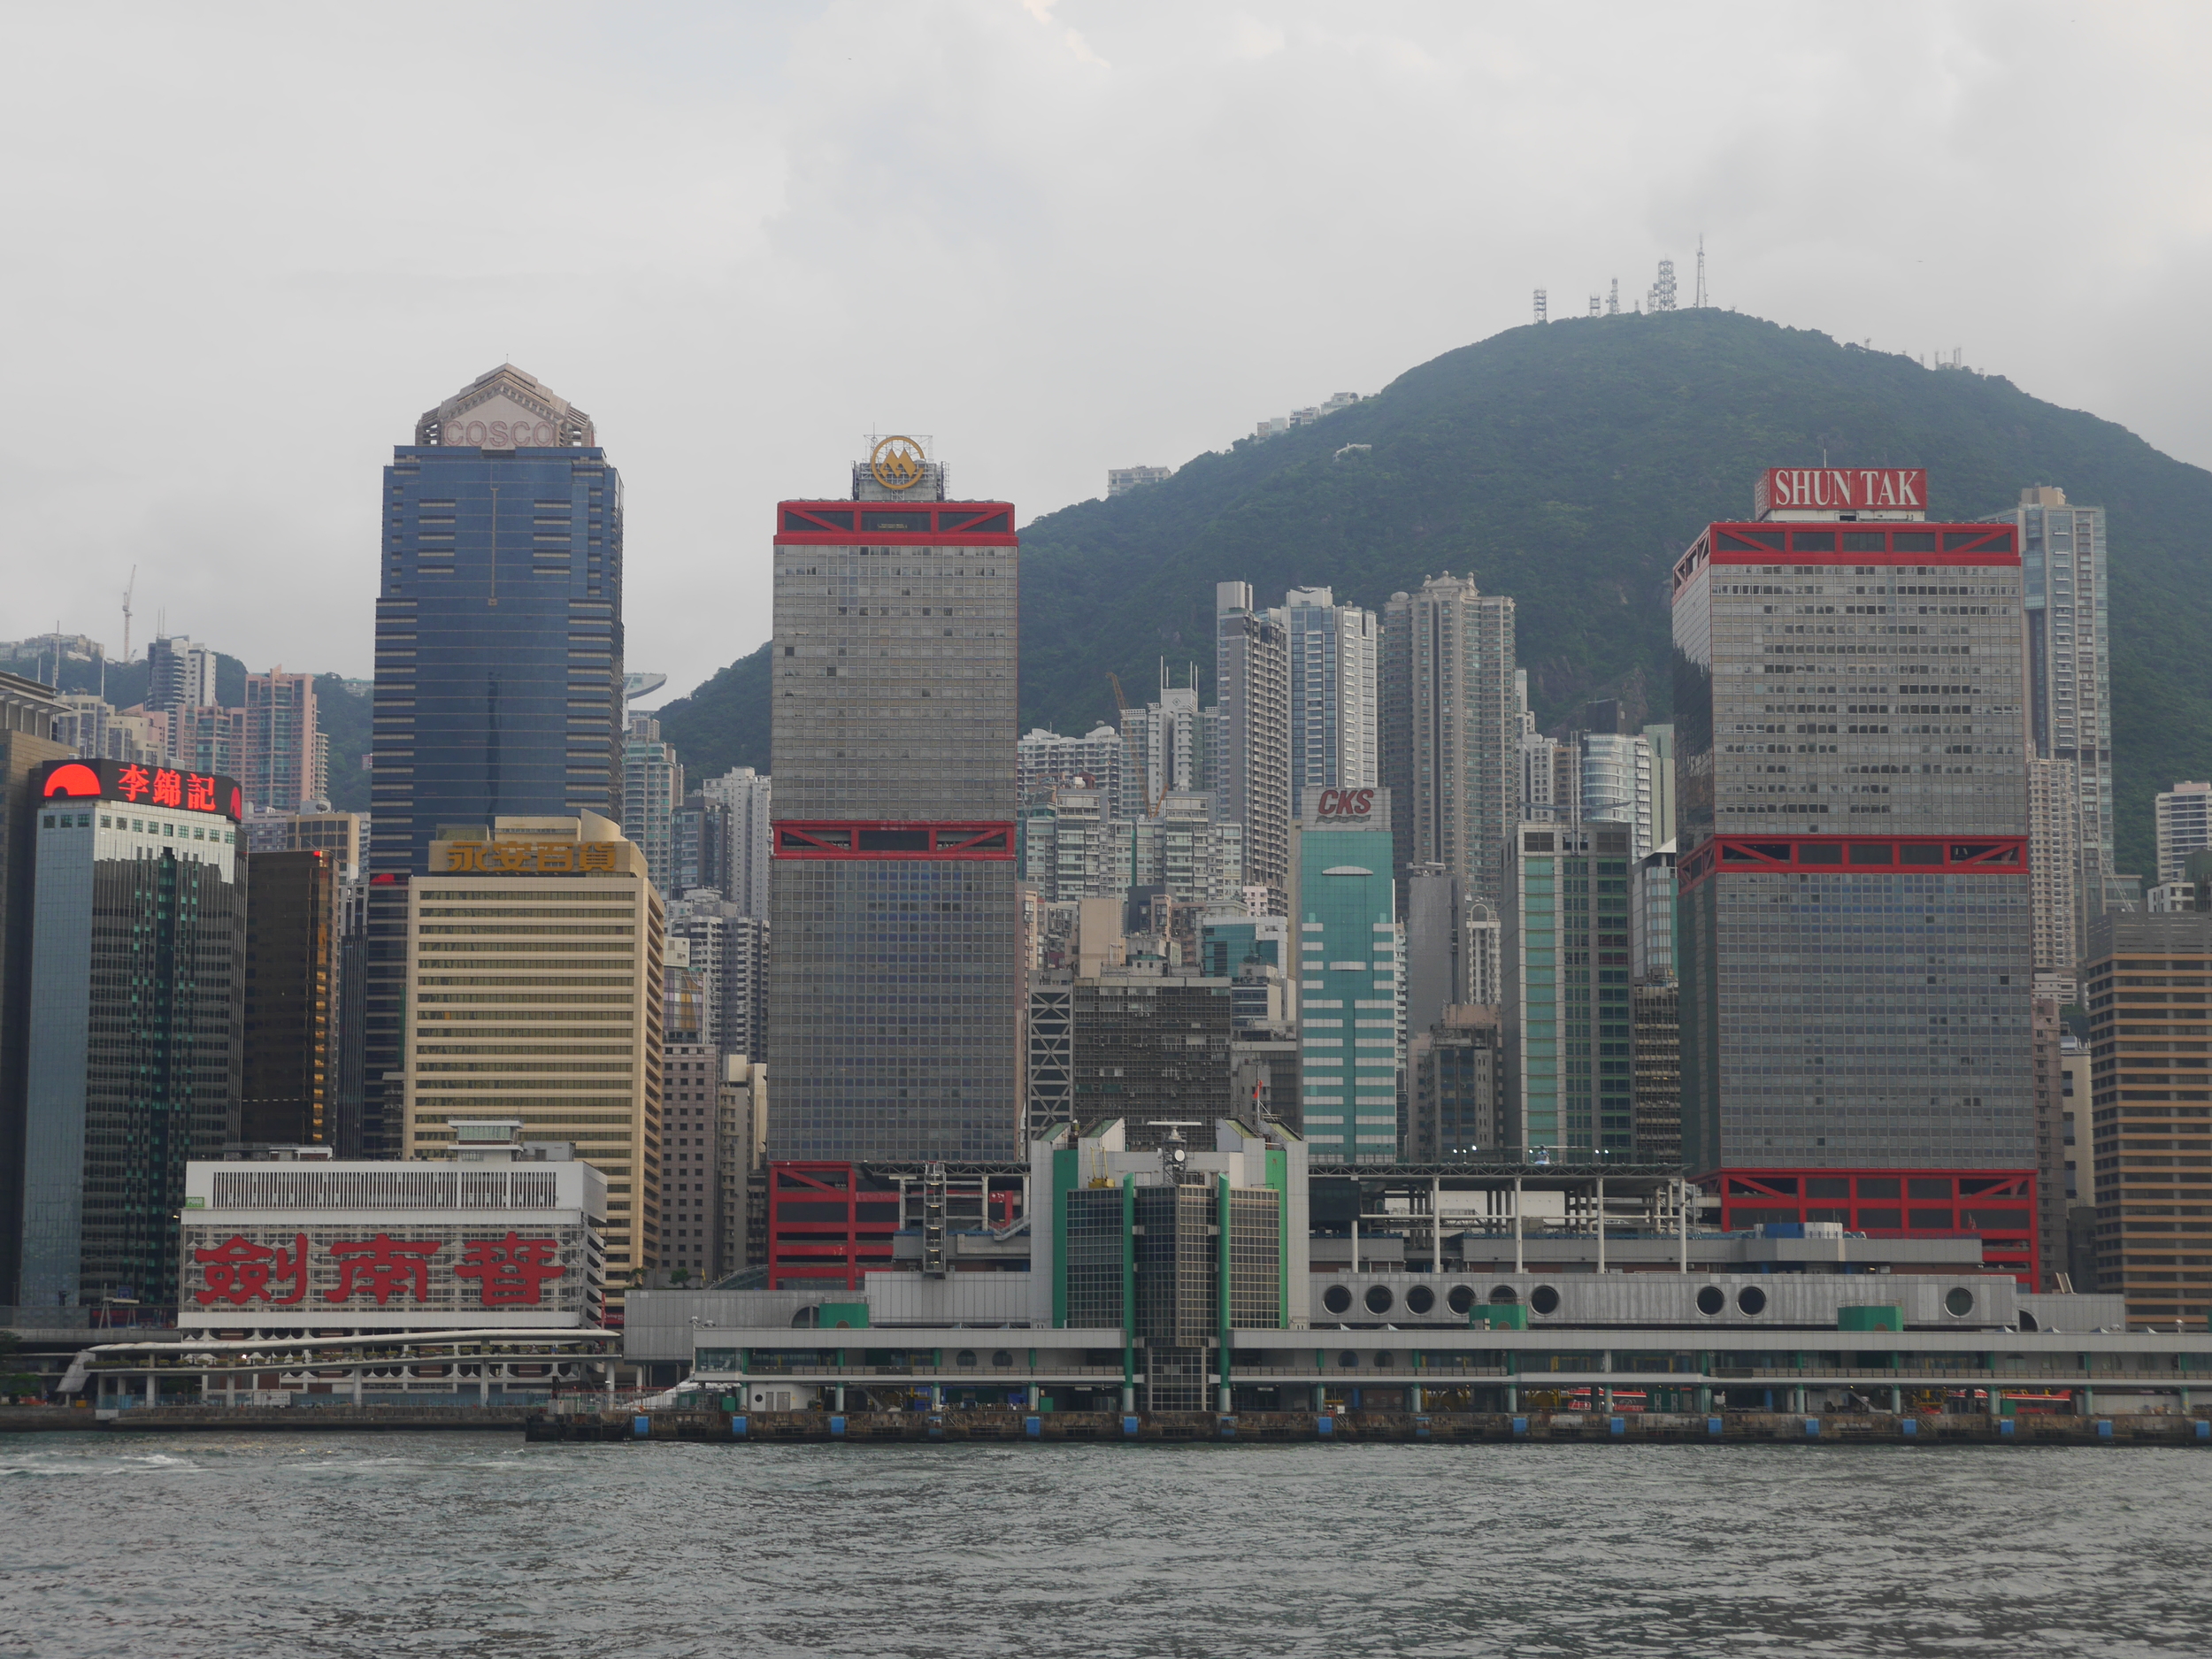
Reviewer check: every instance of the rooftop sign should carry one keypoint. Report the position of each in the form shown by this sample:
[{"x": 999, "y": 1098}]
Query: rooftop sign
[
  {"x": 134, "y": 785},
  {"x": 1357, "y": 808},
  {"x": 1883, "y": 489}
]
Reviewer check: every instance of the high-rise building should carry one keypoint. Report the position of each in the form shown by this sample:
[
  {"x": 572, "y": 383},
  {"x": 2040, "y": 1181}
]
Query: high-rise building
[
  {"x": 1144, "y": 1043},
  {"x": 534, "y": 985},
  {"x": 1450, "y": 753},
  {"x": 2184, "y": 826},
  {"x": 2055, "y": 865},
  {"x": 206, "y": 739},
  {"x": 1566, "y": 1010},
  {"x": 349, "y": 1002},
  {"x": 2064, "y": 567},
  {"x": 740, "y": 1145},
  {"x": 135, "y": 990},
  {"x": 1855, "y": 936},
  {"x": 1252, "y": 776},
  {"x": 652, "y": 790},
  {"x": 1336, "y": 711},
  {"x": 729, "y": 960},
  {"x": 2152, "y": 1100},
  {"x": 1436, "y": 933},
  {"x": 499, "y": 680},
  {"x": 894, "y": 1004},
  {"x": 697, "y": 831},
  {"x": 1615, "y": 784},
  {"x": 1351, "y": 1002},
  {"x": 691, "y": 1162},
  {"x": 1044, "y": 761},
  {"x": 343, "y": 836},
  {"x": 742, "y": 867},
  {"x": 285, "y": 765},
  {"x": 30, "y": 720},
  {"x": 1652, "y": 907},
  {"x": 1658, "y": 1027},
  {"x": 179, "y": 675},
  {"x": 1168, "y": 744},
  {"x": 96, "y": 731},
  {"x": 1454, "y": 1088},
  {"x": 290, "y": 972},
  {"x": 1660, "y": 740}
]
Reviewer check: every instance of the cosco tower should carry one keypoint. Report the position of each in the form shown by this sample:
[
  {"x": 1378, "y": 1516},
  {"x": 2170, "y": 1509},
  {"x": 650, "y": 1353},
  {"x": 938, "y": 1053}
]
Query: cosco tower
[{"x": 894, "y": 937}]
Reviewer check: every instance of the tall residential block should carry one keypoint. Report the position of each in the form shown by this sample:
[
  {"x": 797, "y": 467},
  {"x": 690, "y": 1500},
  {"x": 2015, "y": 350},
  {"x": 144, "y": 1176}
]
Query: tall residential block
[
  {"x": 1451, "y": 755},
  {"x": 1044, "y": 761},
  {"x": 1567, "y": 1013},
  {"x": 1252, "y": 691},
  {"x": 1456, "y": 1088},
  {"x": 180, "y": 674},
  {"x": 691, "y": 1161},
  {"x": 31, "y": 718},
  {"x": 1335, "y": 713},
  {"x": 2064, "y": 567},
  {"x": 284, "y": 1096},
  {"x": 742, "y": 867},
  {"x": 2146, "y": 981},
  {"x": 1168, "y": 744},
  {"x": 138, "y": 929},
  {"x": 2054, "y": 866},
  {"x": 894, "y": 1002},
  {"x": 285, "y": 766},
  {"x": 498, "y": 658},
  {"x": 652, "y": 790},
  {"x": 2184, "y": 826},
  {"x": 1351, "y": 1002},
  {"x": 532, "y": 977},
  {"x": 1856, "y": 941}
]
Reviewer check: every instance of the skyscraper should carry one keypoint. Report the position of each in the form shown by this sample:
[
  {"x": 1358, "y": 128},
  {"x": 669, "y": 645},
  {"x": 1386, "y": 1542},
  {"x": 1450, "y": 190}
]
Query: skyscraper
[
  {"x": 498, "y": 657},
  {"x": 1567, "y": 1011},
  {"x": 290, "y": 973},
  {"x": 30, "y": 720},
  {"x": 286, "y": 761},
  {"x": 2054, "y": 866},
  {"x": 1252, "y": 690},
  {"x": 1336, "y": 711},
  {"x": 652, "y": 790},
  {"x": 135, "y": 992},
  {"x": 893, "y": 1014},
  {"x": 1351, "y": 1002},
  {"x": 1168, "y": 744},
  {"x": 1451, "y": 757},
  {"x": 742, "y": 870},
  {"x": 2184, "y": 826},
  {"x": 2064, "y": 567},
  {"x": 1855, "y": 935},
  {"x": 179, "y": 675}
]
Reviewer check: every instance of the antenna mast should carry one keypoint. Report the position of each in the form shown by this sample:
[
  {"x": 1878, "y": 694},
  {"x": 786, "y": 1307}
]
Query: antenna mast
[
  {"x": 1699, "y": 301},
  {"x": 128, "y": 589}
]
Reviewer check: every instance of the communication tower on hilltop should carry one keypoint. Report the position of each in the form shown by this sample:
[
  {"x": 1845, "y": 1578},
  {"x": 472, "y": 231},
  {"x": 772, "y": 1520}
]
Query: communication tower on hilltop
[
  {"x": 1662, "y": 296},
  {"x": 1542, "y": 300},
  {"x": 1701, "y": 300},
  {"x": 1594, "y": 306},
  {"x": 1613, "y": 299}
]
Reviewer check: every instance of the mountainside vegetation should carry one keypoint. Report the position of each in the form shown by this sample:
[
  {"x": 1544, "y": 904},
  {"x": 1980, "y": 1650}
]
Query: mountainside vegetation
[{"x": 1569, "y": 465}]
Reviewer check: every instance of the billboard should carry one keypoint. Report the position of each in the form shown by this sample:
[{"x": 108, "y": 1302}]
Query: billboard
[
  {"x": 130, "y": 784},
  {"x": 1883, "y": 489},
  {"x": 1363, "y": 808}
]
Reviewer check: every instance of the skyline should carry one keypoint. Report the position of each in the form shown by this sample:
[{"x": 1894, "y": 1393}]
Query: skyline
[{"x": 756, "y": 162}]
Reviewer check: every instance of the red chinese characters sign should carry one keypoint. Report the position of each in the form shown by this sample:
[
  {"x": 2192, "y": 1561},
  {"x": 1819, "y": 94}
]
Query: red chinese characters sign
[
  {"x": 1841, "y": 489},
  {"x": 134, "y": 785},
  {"x": 509, "y": 1272}
]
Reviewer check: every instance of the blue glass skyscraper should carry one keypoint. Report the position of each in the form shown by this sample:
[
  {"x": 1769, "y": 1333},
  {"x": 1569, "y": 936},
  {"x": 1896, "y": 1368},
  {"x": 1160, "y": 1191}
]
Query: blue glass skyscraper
[{"x": 498, "y": 655}]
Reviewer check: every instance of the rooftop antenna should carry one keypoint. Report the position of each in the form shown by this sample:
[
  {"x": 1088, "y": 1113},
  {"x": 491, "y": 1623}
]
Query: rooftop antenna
[
  {"x": 128, "y": 589},
  {"x": 1613, "y": 299},
  {"x": 1700, "y": 301},
  {"x": 1542, "y": 300},
  {"x": 1595, "y": 305}
]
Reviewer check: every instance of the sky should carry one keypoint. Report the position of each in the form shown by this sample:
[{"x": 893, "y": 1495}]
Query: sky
[{"x": 245, "y": 247}]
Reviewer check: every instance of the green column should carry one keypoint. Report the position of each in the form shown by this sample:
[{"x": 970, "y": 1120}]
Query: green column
[{"x": 1065, "y": 1172}]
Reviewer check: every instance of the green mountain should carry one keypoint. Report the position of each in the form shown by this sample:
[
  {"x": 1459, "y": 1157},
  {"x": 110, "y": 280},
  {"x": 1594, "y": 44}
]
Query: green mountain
[{"x": 1569, "y": 465}]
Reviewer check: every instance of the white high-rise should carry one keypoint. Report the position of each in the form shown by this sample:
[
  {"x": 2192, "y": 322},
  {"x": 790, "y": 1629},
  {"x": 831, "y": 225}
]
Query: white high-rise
[
  {"x": 743, "y": 869},
  {"x": 1252, "y": 689},
  {"x": 2184, "y": 826},
  {"x": 1334, "y": 715}
]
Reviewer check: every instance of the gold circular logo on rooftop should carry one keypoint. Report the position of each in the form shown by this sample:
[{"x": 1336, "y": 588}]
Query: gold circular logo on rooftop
[{"x": 896, "y": 462}]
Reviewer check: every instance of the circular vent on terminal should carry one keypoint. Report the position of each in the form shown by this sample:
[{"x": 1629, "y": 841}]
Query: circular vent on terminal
[
  {"x": 1379, "y": 1298},
  {"x": 1958, "y": 1301},
  {"x": 1461, "y": 1300},
  {"x": 1348, "y": 1359},
  {"x": 1385, "y": 1360},
  {"x": 2027, "y": 1321},
  {"x": 966, "y": 1356},
  {"x": 1337, "y": 1299},
  {"x": 1543, "y": 1299},
  {"x": 1503, "y": 1295},
  {"x": 1711, "y": 1299},
  {"x": 1420, "y": 1299},
  {"x": 1751, "y": 1300},
  {"x": 1002, "y": 1357}
]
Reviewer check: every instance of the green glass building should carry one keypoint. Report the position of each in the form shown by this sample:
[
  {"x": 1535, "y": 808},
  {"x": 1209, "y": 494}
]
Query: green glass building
[{"x": 1351, "y": 999}]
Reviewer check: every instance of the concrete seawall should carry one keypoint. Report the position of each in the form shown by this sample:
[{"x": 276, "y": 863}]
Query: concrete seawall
[{"x": 1184, "y": 1428}]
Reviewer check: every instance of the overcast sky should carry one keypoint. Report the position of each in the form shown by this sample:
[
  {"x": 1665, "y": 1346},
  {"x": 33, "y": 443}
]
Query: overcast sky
[{"x": 245, "y": 247}]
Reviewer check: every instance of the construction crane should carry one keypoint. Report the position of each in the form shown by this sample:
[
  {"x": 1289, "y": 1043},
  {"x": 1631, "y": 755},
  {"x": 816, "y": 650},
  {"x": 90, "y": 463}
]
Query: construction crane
[{"x": 1120, "y": 702}]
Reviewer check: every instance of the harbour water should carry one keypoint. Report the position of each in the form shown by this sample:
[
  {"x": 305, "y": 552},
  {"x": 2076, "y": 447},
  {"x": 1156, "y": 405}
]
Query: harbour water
[{"x": 342, "y": 1545}]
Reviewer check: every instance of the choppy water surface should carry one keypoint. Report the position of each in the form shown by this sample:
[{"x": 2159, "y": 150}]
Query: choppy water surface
[{"x": 474, "y": 1544}]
